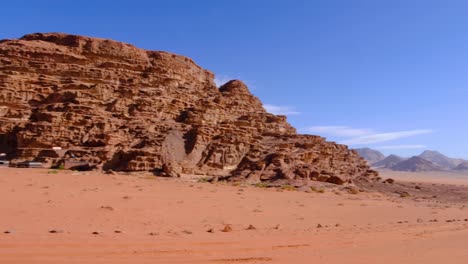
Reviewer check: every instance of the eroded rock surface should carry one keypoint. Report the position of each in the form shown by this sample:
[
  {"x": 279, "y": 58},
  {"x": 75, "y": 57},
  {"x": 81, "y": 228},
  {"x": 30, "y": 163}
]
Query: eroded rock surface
[{"x": 124, "y": 108}]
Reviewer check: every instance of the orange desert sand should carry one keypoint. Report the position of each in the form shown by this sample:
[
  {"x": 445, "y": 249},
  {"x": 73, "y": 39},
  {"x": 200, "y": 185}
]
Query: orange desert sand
[{"x": 90, "y": 217}]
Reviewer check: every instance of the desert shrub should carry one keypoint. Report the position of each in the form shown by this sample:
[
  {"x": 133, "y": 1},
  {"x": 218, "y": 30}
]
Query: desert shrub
[
  {"x": 288, "y": 187},
  {"x": 204, "y": 179},
  {"x": 353, "y": 191},
  {"x": 149, "y": 177},
  {"x": 317, "y": 190},
  {"x": 404, "y": 194},
  {"x": 261, "y": 185}
]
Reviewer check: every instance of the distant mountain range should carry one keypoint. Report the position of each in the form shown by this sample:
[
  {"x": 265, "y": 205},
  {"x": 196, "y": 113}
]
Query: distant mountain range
[
  {"x": 387, "y": 162},
  {"x": 416, "y": 163},
  {"x": 429, "y": 160},
  {"x": 372, "y": 156},
  {"x": 462, "y": 166}
]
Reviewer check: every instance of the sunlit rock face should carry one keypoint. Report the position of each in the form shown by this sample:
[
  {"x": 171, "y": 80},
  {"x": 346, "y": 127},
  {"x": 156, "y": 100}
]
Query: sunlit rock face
[{"x": 124, "y": 108}]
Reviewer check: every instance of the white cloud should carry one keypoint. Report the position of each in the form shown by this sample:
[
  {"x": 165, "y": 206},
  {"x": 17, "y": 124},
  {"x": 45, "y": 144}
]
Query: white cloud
[
  {"x": 402, "y": 147},
  {"x": 383, "y": 137},
  {"x": 280, "y": 110},
  {"x": 363, "y": 136},
  {"x": 338, "y": 131}
]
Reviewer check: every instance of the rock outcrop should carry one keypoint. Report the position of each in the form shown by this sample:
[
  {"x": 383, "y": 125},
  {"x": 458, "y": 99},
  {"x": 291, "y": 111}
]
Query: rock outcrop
[{"x": 67, "y": 97}]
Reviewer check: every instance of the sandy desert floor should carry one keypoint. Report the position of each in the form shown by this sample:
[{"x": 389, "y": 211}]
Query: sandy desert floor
[{"x": 89, "y": 217}]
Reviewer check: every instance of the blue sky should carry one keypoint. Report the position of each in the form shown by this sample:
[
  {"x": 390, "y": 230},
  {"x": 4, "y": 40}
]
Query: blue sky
[{"x": 388, "y": 74}]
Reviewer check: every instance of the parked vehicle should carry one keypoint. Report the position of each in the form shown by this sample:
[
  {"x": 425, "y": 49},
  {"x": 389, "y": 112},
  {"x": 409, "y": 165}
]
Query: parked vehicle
[
  {"x": 71, "y": 164},
  {"x": 3, "y": 161},
  {"x": 29, "y": 164}
]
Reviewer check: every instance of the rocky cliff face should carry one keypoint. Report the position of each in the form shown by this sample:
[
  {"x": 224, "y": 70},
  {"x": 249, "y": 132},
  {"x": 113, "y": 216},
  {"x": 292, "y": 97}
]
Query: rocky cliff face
[{"x": 125, "y": 108}]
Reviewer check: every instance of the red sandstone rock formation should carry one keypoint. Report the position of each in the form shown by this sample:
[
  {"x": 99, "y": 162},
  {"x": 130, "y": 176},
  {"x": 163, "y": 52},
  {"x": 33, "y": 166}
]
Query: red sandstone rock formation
[{"x": 125, "y": 108}]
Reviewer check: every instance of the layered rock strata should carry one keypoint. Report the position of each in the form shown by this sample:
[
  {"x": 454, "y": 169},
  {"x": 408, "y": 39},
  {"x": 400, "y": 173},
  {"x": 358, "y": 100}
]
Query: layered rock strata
[{"x": 67, "y": 97}]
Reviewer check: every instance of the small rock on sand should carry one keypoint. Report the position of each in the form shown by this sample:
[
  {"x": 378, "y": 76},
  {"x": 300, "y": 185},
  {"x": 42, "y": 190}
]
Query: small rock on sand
[
  {"x": 227, "y": 228},
  {"x": 250, "y": 227},
  {"x": 389, "y": 180}
]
